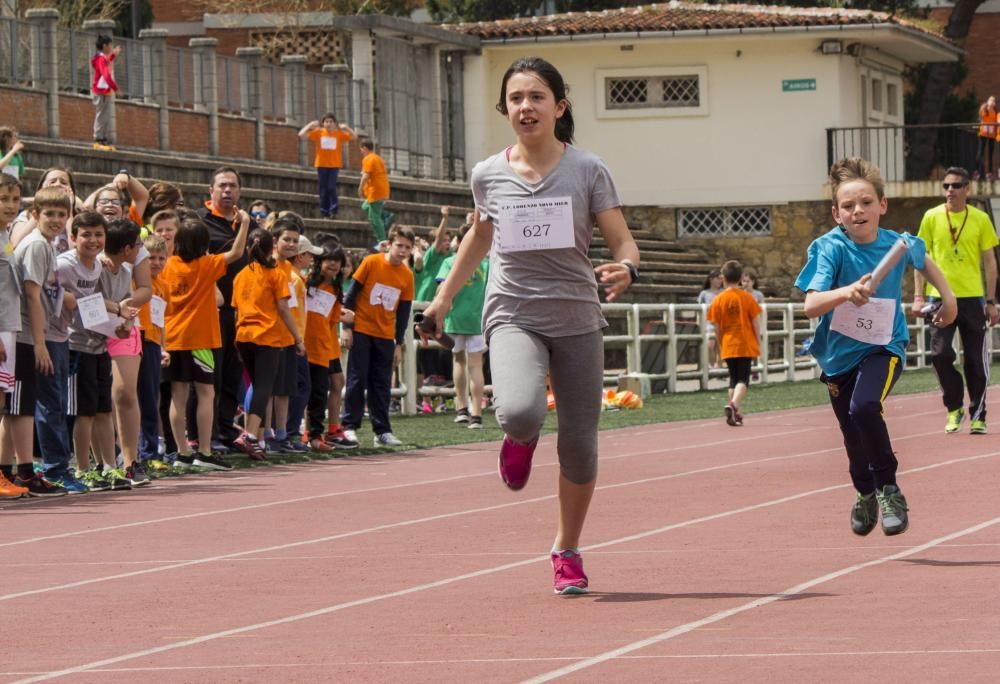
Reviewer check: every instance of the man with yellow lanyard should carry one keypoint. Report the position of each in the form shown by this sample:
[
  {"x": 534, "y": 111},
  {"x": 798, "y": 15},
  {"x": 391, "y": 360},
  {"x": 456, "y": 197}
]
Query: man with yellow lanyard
[{"x": 960, "y": 239}]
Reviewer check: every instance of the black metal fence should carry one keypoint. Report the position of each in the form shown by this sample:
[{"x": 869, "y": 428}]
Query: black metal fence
[{"x": 890, "y": 148}]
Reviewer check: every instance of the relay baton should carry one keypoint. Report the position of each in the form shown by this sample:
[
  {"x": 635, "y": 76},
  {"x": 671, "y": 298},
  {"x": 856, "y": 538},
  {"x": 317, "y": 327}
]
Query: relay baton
[{"x": 888, "y": 262}]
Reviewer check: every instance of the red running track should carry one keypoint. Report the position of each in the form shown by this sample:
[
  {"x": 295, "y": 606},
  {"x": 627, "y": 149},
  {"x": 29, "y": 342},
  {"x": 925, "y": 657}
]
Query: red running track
[{"x": 715, "y": 554}]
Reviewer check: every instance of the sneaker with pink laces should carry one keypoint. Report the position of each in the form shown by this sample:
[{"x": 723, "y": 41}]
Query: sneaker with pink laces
[
  {"x": 515, "y": 462},
  {"x": 567, "y": 567}
]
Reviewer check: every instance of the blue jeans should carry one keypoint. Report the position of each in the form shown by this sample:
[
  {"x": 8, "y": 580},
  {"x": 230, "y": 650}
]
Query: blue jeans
[
  {"x": 149, "y": 401},
  {"x": 297, "y": 402},
  {"x": 50, "y": 414},
  {"x": 327, "y": 190}
]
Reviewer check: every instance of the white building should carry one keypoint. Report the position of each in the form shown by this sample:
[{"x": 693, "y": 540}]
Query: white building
[{"x": 709, "y": 105}]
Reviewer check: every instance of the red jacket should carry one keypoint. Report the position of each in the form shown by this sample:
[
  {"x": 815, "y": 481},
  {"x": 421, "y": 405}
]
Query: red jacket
[{"x": 104, "y": 82}]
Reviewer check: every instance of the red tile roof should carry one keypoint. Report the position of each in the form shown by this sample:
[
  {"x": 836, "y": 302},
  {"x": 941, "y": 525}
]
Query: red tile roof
[{"x": 678, "y": 16}]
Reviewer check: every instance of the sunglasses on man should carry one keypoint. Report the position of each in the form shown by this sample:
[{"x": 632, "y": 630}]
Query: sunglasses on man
[{"x": 953, "y": 186}]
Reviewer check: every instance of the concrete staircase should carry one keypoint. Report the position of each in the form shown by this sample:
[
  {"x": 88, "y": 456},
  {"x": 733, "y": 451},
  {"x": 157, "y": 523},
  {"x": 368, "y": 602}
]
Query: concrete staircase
[{"x": 671, "y": 271}]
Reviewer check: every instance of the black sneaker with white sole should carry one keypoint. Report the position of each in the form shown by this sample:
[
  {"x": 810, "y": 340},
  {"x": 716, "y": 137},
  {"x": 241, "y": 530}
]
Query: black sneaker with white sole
[{"x": 211, "y": 461}]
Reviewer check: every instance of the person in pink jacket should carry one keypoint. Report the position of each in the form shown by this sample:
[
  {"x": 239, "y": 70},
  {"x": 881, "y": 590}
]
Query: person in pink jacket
[{"x": 103, "y": 89}]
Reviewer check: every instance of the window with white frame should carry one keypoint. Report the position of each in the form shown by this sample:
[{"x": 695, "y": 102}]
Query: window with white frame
[
  {"x": 651, "y": 92},
  {"x": 723, "y": 221}
]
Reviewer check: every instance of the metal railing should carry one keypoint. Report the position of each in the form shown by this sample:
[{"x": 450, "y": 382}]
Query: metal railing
[
  {"x": 670, "y": 344},
  {"x": 16, "y": 40},
  {"x": 889, "y": 147}
]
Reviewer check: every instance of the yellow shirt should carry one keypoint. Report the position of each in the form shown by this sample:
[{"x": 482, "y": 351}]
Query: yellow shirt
[{"x": 960, "y": 259}]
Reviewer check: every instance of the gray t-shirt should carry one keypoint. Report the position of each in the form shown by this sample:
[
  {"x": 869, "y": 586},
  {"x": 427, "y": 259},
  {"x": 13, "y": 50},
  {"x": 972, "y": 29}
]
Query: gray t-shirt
[
  {"x": 10, "y": 293},
  {"x": 552, "y": 292},
  {"x": 116, "y": 286},
  {"x": 81, "y": 281},
  {"x": 35, "y": 261}
]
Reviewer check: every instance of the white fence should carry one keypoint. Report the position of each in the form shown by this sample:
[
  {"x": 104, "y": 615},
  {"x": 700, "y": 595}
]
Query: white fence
[{"x": 669, "y": 344}]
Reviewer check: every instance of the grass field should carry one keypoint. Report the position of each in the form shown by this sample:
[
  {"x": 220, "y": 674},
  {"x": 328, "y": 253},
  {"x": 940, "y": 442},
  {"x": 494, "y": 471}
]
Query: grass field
[{"x": 424, "y": 431}]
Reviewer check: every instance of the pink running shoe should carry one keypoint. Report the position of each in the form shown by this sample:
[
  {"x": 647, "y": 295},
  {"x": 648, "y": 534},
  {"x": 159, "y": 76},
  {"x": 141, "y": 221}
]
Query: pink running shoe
[
  {"x": 515, "y": 462},
  {"x": 569, "y": 575}
]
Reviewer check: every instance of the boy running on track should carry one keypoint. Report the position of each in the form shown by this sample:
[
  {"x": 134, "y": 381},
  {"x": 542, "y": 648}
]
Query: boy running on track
[
  {"x": 736, "y": 316},
  {"x": 536, "y": 205},
  {"x": 861, "y": 338}
]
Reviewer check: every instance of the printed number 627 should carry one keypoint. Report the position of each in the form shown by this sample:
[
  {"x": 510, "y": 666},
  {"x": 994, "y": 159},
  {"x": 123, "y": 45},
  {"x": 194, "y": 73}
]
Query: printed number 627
[{"x": 536, "y": 230}]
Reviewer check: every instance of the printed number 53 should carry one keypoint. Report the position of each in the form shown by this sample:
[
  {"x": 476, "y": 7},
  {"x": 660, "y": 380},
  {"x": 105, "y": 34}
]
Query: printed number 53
[
  {"x": 865, "y": 323},
  {"x": 536, "y": 230}
]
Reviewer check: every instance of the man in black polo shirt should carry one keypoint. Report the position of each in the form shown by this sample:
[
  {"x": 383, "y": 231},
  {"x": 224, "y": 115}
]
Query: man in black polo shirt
[{"x": 220, "y": 215}]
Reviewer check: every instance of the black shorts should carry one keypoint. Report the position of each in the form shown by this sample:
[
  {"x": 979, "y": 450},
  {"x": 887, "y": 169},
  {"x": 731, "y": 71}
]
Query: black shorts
[
  {"x": 21, "y": 402},
  {"x": 739, "y": 370},
  {"x": 191, "y": 366},
  {"x": 287, "y": 382},
  {"x": 89, "y": 386},
  {"x": 335, "y": 366}
]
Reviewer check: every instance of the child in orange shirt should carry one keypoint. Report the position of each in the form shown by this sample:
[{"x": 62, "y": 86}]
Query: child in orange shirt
[
  {"x": 264, "y": 328},
  {"x": 287, "y": 232},
  {"x": 153, "y": 358},
  {"x": 380, "y": 295},
  {"x": 326, "y": 375},
  {"x": 329, "y": 136},
  {"x": 192, "y": 332},
  {"x": 736, "y": 317}
]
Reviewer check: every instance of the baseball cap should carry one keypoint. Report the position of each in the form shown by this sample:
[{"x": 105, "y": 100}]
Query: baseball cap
[{"x": 306, "y": 246}]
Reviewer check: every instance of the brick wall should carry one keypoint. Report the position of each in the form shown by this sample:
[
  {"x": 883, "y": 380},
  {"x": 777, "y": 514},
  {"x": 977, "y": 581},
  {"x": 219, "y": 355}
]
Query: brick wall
[
  {"x": 281, "y": 143},
  {"x": 983, "y": 48},
  {"x": 24, "y": 110},
  {"x": 236, "y": 137},
  {"x": 138, "y": 125},
  {"x": 76, "y": 117},
  {"x": 188, "y": 131}
]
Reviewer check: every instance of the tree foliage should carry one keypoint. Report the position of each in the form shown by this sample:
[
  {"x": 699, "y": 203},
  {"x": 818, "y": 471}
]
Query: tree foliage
[{"x": 454, "y": 11}]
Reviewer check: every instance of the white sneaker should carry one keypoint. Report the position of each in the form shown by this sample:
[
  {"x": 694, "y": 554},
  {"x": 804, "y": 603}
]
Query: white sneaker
[
  {"x": 351, "y": 435},
  {"x": 387, "y": 439}
]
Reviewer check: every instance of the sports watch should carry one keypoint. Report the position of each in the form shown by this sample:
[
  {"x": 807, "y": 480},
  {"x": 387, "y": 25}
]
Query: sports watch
[{"x": 633, "y": 271}]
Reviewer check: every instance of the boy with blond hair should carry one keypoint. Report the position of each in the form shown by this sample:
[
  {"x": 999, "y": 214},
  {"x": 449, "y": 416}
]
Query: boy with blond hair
[{"x": 42, "y": 365}]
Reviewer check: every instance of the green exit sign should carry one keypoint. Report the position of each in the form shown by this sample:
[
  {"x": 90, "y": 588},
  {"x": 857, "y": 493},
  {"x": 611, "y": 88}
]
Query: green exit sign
[{"x": 794, "y": 85}]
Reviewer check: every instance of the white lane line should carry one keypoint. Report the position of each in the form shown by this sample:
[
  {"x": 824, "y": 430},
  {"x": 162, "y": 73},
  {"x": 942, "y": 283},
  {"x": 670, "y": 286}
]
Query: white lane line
[
  {"x": 368, "y": 490},
  {"x": 503, "y": 568},
  {"x": 540, "y": 659},
  {"x": 686, "y": 628},
  {"x": 455, "y": 514},
  {"x": 389, "y": 526}
]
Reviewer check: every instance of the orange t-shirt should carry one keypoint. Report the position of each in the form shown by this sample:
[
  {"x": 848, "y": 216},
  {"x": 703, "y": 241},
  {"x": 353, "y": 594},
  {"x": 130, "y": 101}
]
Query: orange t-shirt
[
  {"x": 192, "y": 319},
  {"x": 297, "y": 286},
  {"x": 256, "y": 291},
  {"x": 323, "y": 342},
  {"x": 383, "y": 286},
  {"x": 153, "y": 333},
  {"x": 329, "y": 147},
  {"x": 377, "y": 186},
  {"x": 988, "y": 127},
  {"x": 733, "y": 311}
]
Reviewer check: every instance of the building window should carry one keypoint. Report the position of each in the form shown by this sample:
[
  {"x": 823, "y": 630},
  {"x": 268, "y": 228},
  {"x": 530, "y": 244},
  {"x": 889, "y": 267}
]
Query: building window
[
  {"x": 724, "y": 222},
  {"x": 892, "y": 99},
  {"x": 652, "y": 92}
]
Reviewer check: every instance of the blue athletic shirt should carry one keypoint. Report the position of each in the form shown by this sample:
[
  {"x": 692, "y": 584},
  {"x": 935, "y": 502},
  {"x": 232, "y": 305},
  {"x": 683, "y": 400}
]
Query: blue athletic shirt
[{"x": 834, "y": 261}]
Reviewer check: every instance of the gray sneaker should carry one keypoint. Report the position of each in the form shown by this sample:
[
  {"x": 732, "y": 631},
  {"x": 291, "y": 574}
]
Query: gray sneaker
[
  {"x": 864, "y": 514},
  {"x": 387, "y": 439},
  {"x": 892, "y": 505}
]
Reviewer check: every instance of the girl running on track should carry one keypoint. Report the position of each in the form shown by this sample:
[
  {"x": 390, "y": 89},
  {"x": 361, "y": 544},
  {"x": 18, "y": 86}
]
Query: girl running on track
[{"x": 536, "y": 205}]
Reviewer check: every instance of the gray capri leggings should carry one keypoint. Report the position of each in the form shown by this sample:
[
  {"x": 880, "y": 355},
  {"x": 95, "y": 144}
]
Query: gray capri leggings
[{"x": 519, "y": 360}]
